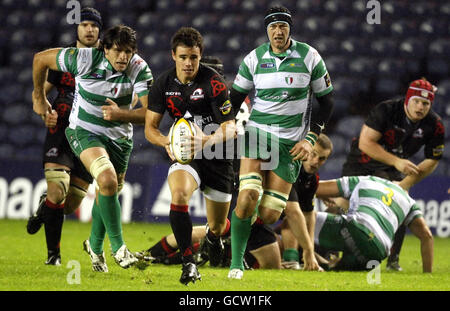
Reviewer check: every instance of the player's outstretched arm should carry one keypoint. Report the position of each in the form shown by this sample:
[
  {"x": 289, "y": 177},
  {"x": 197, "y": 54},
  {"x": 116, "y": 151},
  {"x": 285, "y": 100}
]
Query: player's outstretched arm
[
  {"x": 420, "y": 229},
  {"x": 426, "y": 167},
  {"x": 42, "y": 61}
]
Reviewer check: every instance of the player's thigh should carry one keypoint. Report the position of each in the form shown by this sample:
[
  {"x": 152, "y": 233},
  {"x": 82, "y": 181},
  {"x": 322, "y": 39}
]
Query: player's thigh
[{"x": 181, "y": 184}]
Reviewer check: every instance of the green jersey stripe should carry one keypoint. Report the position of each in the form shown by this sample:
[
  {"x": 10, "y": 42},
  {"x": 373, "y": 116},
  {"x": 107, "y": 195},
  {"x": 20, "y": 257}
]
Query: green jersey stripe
[
  {"x": 99, "y": 100},
  {"x": 280, "y": 120},
  {"x": 87, "y": 117},
  {"x": 382, "y": 222}
]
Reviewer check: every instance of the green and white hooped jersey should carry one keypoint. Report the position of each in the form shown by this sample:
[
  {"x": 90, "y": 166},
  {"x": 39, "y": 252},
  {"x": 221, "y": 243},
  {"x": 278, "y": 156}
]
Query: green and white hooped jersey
[
  {"x": 283, "y": 88},
  {"x": 379, "y": 205},
  {"x": 95, "y": 81}
]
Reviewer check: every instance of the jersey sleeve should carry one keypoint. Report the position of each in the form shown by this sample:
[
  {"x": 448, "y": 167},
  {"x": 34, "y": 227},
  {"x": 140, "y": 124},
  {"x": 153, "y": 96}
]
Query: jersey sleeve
[
  {"x": 320, "y": 78},
  {"x": 244, "y": 78},
  {"x": 377, "y": 118},
  {"x": 346, "y": 185},
  {"x": 414, "y": 213},
  {"x": 142, "y": 76},
  {"x": 76, "y": 61},
  {"x": 434, "y": 146},
  {"x": 156, "y": 99},
  {"x": 219, "y": 99}
]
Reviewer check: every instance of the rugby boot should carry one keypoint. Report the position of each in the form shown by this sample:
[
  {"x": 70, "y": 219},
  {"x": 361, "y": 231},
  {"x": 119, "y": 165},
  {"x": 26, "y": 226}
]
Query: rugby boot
[
  {"x": 36, "y": 221},
  {"x": 189, "y": 273}
]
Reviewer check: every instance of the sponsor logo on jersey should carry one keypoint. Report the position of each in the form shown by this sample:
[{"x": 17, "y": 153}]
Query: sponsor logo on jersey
[
  {"x": 267, "y": 65},
  {"x": 418, "y": 133},
  {"x": 438, "y": 151},
  {"x": 96, "y": 75},
  {"x": 295, "y": 65},
  {"x": 52, "y": 152},
  {"x": 197, "y": 94},
  {"x": 225, "y": 108},
  {"x": 327, "y": 80},
  {"x": 172, "y": 93}
]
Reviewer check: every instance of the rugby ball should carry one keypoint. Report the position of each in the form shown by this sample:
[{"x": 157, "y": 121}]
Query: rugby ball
[{"x": 178, "y": 134}]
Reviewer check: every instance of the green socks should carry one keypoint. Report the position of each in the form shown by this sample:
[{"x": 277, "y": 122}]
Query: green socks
[
  {"x": 240, "y": 232},
  {"x": 106, "y": 216},
  {"x": 98, "y": 230},
  {"x": 290, "y": 254}
]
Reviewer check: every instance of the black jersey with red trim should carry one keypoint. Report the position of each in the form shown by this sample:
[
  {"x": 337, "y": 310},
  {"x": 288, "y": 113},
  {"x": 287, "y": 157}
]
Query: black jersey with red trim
[
  {"x": 400, "y": 136},
  {"x": 203, "y": 100},
  {"x": 64, "y": 83},
  {"x": 304, "y": 190}
]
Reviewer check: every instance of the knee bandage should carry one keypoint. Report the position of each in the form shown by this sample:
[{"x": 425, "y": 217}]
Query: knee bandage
[
  {"x": 99, "y": 165},
  {"x": 77, "y": 192},
  {"x": 274, "y": 200},
  {"x": 58, "y": 176},
  {"x": 252, "y": 181}
]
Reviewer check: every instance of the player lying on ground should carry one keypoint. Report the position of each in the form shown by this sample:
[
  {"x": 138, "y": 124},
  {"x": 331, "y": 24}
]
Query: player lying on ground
[{"x": 377, "y": 207}]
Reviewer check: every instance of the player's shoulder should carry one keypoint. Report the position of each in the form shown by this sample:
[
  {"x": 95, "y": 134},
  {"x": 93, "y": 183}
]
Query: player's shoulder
[
  {"x": 137, "y": 63},
  {"x": 207, "y": 73}
]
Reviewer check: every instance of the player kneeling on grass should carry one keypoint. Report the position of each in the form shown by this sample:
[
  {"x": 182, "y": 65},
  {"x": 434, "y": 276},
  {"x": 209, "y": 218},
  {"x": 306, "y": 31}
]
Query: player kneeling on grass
[{"x": 377, "y": 207}]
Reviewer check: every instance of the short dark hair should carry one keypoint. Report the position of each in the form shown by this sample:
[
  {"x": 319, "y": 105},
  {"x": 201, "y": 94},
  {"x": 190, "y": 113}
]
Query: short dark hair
[
  {"x": 91, "y": 14},
  {"x": 187, "y": 36},
  {"x": 122, "y": 36}
]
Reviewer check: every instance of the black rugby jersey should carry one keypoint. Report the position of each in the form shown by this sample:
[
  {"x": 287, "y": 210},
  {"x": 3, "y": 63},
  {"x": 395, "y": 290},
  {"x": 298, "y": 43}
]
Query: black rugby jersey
[
  {"x": 64, "y": 83},
  {"x": 203, "y": 100},
  {"x": 400, "y": 137}
]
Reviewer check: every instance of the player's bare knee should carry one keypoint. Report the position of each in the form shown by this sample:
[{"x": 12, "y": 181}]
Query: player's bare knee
[{"x": 180, "y": 196}]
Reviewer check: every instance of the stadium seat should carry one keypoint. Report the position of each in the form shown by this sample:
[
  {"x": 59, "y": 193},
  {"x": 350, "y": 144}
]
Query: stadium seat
[
  {"x": 387, "y": 86},
  {"x": 391, "y": 67},
  {"x": 383, "y": 47},
  {"x": 333, "y": 165},
  {"x": 7, "y": 151},
  {"x": 341, "y": 144},
  {"x": 336, "y": 66},
  {"x": 22, "y": 135},
  {"x": 350, "y": 126},
  {"x": 438, "y": 67},
  {"x": 12, "y": 93},
  {"x": 345, "y": 27},
  {"x": 326, "y": 45},
  {"x": 439, "y": 48},
  {"x": 412, "y": 47},
  {"x": 362, "y": 67}
]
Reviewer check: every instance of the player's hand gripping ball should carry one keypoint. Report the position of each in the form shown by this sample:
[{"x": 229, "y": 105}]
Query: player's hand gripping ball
[{"x": 179, "y": 140}]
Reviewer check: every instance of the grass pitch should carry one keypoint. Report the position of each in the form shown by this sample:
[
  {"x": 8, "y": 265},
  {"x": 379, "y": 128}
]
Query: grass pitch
[{"x": 22, "y": 267}]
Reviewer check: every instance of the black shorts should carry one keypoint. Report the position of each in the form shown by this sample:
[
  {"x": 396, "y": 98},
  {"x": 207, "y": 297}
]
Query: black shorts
[
  {"x": 57, "y": 150},
  {"x": 260, "y": 236},
  {"x": 215, "y": 174}
]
